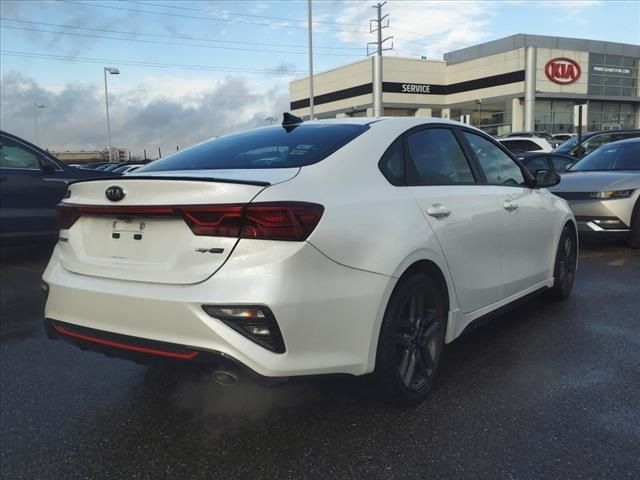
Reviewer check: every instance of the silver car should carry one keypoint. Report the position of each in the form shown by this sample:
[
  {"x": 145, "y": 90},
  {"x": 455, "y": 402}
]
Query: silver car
[{"x": 603, "y": 190}]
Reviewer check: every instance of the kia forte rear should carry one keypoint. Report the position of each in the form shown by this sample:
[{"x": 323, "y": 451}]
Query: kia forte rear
[{"x": 349, "y": 246}]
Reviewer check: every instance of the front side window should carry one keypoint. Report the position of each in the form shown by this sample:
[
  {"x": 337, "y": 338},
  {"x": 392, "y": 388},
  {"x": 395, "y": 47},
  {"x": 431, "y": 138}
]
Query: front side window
[
  {"x": 438, "y": 158},
  {"x": 498, "y": 167},
  {"x": 13, "y": 155},
  {"x": 271, "y": 147},
  {"x": 596, "y": 141}
]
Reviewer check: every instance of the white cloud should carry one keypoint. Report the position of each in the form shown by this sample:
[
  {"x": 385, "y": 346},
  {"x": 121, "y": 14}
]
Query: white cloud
[
  {"x": 187, "y": 112},
  {"x": 422, "y": 28}
]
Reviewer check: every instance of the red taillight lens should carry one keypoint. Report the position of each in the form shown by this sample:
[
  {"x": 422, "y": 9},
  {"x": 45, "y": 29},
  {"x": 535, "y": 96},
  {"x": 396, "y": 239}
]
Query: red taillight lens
[
  {"x": 213, "y": 220},
  {"x": 281, "y": 220},
  {"x": 293, "y": 221}
]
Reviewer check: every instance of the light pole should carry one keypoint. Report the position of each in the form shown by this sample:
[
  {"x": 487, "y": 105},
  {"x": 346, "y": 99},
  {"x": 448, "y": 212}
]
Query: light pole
[
  {"x": 479, "y": 103},
  {"x": 36, "y": 106},
  {"x": 111, "y": 71}
]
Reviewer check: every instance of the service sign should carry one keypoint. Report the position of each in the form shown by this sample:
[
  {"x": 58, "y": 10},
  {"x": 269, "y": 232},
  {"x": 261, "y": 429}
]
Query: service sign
[{"x": 562, "y": 70}]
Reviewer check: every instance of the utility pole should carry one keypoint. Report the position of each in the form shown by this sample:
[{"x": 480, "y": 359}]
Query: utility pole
[
  {"x": 376, "y": 26},
  {"x": 36, "y": 106},
  {"x": 310, "y": 33}
]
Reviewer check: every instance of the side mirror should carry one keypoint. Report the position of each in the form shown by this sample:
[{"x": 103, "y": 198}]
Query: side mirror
[{"x": 546, "y": 178}]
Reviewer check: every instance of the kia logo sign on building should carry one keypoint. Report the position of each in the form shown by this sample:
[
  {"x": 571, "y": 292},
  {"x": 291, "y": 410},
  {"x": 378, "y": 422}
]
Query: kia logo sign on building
[{"x": 562, "y": 70}]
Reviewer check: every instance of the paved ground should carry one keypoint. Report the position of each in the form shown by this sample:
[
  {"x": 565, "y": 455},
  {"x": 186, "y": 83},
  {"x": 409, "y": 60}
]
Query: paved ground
[{"x": 550, "y": 390}]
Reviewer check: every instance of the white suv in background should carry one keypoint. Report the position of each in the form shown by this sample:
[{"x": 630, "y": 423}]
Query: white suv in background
[{"x": 348, "y": 246}]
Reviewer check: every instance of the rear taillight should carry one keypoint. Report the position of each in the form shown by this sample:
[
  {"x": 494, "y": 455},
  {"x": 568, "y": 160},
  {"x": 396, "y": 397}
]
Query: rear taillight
[{"x": 292, "y": 221}]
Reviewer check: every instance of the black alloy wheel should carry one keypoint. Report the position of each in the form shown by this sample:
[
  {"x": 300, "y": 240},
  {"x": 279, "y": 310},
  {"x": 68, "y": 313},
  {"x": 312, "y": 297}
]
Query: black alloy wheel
[
  {"x": 411, "y": 340},
  {"x": 565, "y": 267}
]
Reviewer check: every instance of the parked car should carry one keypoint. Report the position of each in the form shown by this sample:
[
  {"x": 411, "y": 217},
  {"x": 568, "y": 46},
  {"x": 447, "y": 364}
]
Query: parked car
[
  {"x": 521, "y": 144},
  {"x": 591, "y": 140},
  {"x": 546, "y": 161},
  {"x": 123, "y": 169},
  {"x": 346, "y": 246},
  {"x": 32, "y": 183},
  {"x": 563, "y": 137},
  {"x": 603, "y": 190},
  {"x": 93, "y": 165},
  {"x": 549, "y": 138}
]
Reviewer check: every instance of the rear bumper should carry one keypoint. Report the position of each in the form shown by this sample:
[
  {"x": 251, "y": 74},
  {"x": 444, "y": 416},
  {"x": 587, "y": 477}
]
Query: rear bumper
[
  {"x": 144, "y": 351},
  {"x": 328, "y": 314}
]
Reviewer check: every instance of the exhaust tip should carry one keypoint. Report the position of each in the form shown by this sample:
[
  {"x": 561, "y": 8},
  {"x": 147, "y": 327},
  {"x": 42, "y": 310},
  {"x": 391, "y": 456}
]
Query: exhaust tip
[{"x": 222, "y": 377}]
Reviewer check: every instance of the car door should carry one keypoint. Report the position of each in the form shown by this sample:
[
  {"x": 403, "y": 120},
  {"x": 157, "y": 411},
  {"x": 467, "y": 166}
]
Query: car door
[
  {"x": 527, "y": 241},
  {"x": 31, "y": 187},
  {"x": 463, "y": 213}
]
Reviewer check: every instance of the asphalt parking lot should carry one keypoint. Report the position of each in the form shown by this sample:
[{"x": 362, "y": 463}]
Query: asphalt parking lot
[{"x": 548, "y": 390}]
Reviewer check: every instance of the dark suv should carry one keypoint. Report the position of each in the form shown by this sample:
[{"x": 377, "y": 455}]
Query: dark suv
[
  {"x": 32, "y": 183},
  {"x": 592, "y": 140}
]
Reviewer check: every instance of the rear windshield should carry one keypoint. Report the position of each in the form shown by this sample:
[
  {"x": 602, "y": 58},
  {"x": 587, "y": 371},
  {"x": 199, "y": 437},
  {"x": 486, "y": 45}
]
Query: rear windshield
[{"x": 271, "y": 147}]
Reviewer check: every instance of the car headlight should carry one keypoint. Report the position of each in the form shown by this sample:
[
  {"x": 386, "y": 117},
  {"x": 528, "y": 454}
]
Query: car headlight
[{"x": 611, "y": 194}]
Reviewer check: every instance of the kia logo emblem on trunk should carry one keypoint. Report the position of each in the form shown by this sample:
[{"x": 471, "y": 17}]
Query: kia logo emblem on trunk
[
  {"x": 562, "y": 70},
  {"x": 115, "y": 193}
]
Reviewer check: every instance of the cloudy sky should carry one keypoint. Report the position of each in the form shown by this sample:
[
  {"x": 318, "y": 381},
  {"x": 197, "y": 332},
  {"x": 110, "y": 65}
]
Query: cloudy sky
[{"x": 195, "y": 69}]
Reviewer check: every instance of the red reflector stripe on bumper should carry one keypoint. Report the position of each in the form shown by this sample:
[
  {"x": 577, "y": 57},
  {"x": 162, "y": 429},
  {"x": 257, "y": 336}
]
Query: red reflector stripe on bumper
[{"x": 151, "y": 351}]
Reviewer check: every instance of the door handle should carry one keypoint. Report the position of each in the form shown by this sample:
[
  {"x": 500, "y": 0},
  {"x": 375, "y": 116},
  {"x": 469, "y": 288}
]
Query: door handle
[
  {"x": 509, "y": 205},
  {"x": 438, "y": 210}
]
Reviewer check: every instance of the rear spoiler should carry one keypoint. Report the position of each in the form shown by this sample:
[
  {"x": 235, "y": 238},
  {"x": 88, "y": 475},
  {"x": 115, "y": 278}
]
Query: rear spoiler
[{"x": 189, "y": 179}]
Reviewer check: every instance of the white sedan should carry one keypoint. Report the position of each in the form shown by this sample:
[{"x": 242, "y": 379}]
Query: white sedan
[{"x": 343, "y": 246}]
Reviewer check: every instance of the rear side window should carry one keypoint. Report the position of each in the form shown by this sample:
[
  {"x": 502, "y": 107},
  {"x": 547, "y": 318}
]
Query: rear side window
[
  {"x": 519, "y": 146},
  {"x": 498, "y": 167},
  {"x": 392, "y": 163},
  {"x": 271, "y": 147},
  {"x": 438, "y": 158}
]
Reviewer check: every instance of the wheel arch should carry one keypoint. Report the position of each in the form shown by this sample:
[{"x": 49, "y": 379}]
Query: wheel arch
[{"x": 416, "y": 264}]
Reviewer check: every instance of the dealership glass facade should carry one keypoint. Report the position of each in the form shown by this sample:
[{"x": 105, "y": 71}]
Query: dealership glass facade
[
  {"x": 554, "y": 116},
  {"x": 610, "y": 115},
  {"x": 612, "y": 75}
]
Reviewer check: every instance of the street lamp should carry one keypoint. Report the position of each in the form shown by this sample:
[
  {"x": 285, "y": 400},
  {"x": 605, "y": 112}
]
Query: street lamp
[
  {"x": 110, "y": 71},
  {"x": 479, "y": 103},
  {"x": 36, "y": 106}
]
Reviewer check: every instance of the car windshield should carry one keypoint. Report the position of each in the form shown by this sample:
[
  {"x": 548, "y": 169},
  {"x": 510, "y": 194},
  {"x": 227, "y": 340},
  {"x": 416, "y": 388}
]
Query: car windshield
[
  {"x": 612, "y": 156},
  {"x": 271, "y": 147},
  {"x": 567, "y": 146}
]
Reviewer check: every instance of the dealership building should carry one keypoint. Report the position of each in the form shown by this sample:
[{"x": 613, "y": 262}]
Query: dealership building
[{"x": 521, "y": 82}]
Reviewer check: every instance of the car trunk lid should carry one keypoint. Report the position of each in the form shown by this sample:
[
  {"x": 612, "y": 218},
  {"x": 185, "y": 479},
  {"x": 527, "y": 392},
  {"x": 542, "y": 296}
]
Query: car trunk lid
[{"x": 158, "y": 231}]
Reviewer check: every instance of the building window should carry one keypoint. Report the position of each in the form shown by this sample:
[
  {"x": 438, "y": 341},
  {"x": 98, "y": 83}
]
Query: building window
[
  {"x": 554, "y": 116},
  {"x": 610, "y": 115},
  {"x": 612, "y": 75}
]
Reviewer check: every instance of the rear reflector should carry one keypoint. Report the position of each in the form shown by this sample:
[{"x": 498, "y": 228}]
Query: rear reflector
[{"x": 292, "y": 221}]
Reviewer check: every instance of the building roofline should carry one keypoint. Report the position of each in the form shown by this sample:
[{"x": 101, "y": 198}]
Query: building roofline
[{"x": 522, "y": 40}]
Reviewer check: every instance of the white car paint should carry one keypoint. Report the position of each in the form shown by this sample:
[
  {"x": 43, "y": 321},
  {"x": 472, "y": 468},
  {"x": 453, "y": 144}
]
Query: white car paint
[
  {"x": 541, "y": 144},
  {"x": 328, "y": 293}
]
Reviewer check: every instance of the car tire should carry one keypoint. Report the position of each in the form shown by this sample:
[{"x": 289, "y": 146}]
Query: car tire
[
  {"x": 564, "y": 271},
  {"x": 411, "y": 340},
  {"x": 634, "y": 237}
]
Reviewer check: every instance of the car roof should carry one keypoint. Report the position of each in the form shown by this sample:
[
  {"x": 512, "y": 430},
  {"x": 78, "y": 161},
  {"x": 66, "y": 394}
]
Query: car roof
[{"x": 626, "y": 140}]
